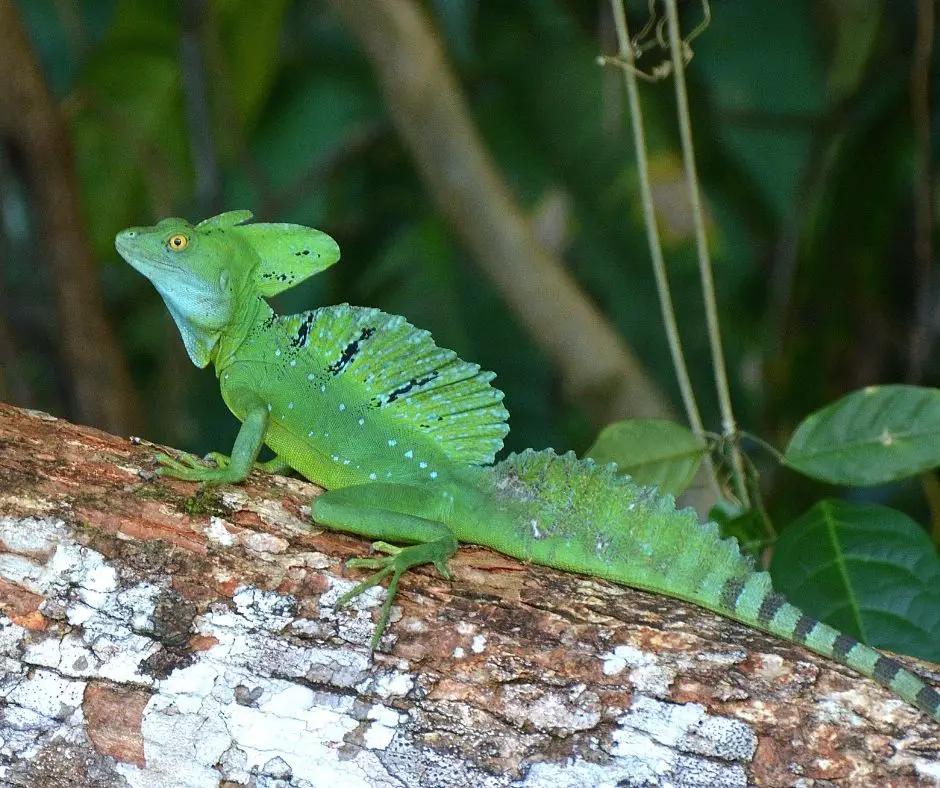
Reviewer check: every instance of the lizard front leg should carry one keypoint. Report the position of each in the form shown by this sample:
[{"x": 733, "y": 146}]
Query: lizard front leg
[{"x": 230, "y": 469}]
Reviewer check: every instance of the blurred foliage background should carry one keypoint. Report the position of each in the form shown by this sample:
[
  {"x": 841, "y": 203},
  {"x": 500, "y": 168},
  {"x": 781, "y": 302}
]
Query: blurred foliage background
[{"x": 812, "y": 120}]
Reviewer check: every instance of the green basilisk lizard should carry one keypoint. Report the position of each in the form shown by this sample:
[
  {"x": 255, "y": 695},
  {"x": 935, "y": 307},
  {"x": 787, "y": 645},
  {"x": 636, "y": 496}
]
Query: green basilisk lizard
[{"x": 401, "y": 433}]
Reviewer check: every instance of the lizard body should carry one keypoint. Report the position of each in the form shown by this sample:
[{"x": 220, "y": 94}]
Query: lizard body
[{"x": 402, "y": 434}]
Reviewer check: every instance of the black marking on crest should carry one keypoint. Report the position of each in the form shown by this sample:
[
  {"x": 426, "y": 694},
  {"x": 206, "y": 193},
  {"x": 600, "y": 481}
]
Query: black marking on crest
[
  {"x": 269, "y": 320},
  {"x": 276, "y": 275},
  {"x": 730, "y": 594},
  {"x": 804, "y": 625},
  {"x": 300, "y": 338},
  {"x": 769, "y": 607},
  {"x": 350, "y": 352},
  {"x": 302, "y": 253},
  {"x": 886, "y": 669},
  {"x": 842, "y": 646},
  {"x": 928, "y": 699},
  {"x": 406, "y": 387}
]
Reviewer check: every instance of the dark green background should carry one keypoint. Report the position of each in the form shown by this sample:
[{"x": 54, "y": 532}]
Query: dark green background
[{"x": 802, "y": 121}]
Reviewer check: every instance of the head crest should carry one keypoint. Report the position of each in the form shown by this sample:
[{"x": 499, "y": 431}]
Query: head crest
[
  {"x": 205, "y": 273},
  {"x": 288, "y": 253}
]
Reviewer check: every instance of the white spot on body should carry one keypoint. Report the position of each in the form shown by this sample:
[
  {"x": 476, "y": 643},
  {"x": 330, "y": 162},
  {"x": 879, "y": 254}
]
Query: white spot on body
[
  {"x": 393, "y": 442},
  {"x": 887, "y": 439},
  {"x": 277, "y": 352},
  {"x": 433, "y": 475},
  {"x": 311, "y": 376},
  {"x": 536, "y": 533},
  {"x": 290, "y": 405},
  {"x": 270, "y": 407},
  {"x": 362, "y": 422},
  {"x": 293, "y": 362},
  {"x": 422, "y": 464},
  {"x": 373, "y": 476},
  {"x": 342, "y": 407},
  {"x": 409, "y": 454}
]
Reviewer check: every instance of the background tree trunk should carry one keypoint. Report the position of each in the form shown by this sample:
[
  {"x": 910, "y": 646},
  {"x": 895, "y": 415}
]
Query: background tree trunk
[
  {"x": 156, "y": 634},
  {"x": 95, "y": 371},
  {"x": 600, "y": 371}
]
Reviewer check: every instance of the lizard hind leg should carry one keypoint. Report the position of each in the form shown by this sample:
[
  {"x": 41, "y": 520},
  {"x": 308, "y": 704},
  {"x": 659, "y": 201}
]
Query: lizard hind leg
[{"x": 363, "y": 510}]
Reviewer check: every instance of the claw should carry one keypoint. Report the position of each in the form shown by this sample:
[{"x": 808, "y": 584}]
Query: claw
[
  {"x": 366, "y": 584},
  {"x": 442, "y": 568},
  {"x": 221, "y": 460},
  {"x": 367, "y": 563},
  {"x": 192, "y": 469},
  {"x": 385, "y": 547}
]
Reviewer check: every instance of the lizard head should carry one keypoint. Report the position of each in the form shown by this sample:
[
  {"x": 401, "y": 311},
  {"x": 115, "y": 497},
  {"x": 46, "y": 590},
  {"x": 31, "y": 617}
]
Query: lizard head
[{"x": 207, "y": 272}]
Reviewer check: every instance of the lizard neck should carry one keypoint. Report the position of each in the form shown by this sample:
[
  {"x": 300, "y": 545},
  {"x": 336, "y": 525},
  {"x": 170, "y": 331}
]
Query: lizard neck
[{"x": 254, "y": 313}]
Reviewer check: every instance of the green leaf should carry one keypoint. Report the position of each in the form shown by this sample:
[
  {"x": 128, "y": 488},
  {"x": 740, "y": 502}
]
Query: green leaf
[
  {"x": 653, "y": 451},
  {"x": 867, "y": 570},
  {"x": 874, "y": 436},
  {"x": 745, "y": 525}
]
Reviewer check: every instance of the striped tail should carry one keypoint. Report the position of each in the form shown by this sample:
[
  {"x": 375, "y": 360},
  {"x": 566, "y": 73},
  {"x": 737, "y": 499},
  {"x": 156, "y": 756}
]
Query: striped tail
[
  {"x": 574, "y": 515},
  {"x": 753, "y": 601}
]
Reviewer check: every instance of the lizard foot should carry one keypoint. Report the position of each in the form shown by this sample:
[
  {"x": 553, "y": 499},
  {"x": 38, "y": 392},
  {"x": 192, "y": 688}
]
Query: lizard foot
[
  {"x": 397, "y": 561},
  {"x": 192, "y": 469}
]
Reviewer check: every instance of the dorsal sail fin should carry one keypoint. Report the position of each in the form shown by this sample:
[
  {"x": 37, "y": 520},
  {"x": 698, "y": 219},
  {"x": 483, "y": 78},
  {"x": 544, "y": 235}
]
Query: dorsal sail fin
[{"x": 405, "y": 377}]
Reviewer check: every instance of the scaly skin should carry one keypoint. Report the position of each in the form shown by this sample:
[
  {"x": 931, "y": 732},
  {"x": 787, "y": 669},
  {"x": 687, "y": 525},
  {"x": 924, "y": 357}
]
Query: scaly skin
[{"x": 399, "y": 431}]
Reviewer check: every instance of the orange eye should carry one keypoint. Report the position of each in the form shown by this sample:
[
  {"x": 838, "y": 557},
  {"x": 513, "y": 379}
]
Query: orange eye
[{"x": 177, "y": 243}]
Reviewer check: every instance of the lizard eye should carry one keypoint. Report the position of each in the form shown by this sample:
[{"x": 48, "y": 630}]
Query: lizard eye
[{"x": 177, "y": 242}]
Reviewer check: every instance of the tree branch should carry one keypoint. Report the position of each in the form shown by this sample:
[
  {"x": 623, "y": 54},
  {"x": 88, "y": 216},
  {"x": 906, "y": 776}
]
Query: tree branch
[
  {"x": 98, "y": 379},
  {"x": 153, "y": 631}
]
